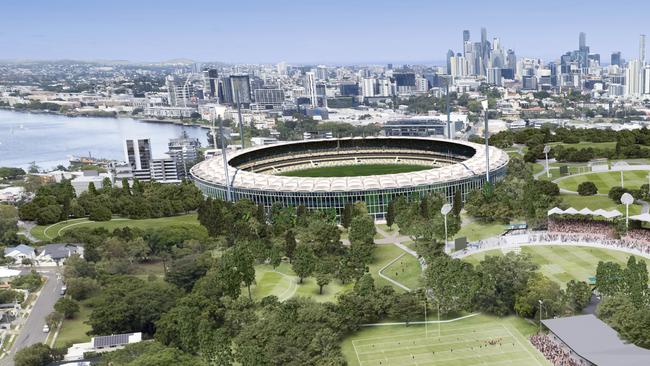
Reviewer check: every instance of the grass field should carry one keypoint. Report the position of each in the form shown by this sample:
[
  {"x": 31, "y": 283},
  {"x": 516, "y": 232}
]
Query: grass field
[
  {"x": 74, "y": 330},
  {"x": 47, "y": 232},
  {"x": 610, "y": 145},
  {"x": 477, "y": 230},
  {"x": 606, "y": 180},
  {"x": 596, "y": 202},
  {"x": 283, "y": 282},
  {"x": 565, "y": 263},
  {"x": 405, "y": 271},
  {"x": 356, "y": 170},
  {"x": 463, "y": 342}
]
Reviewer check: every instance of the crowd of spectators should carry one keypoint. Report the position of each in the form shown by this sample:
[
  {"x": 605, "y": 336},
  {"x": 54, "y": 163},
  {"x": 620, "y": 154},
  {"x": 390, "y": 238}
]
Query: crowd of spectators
[
  {"x": 601, "y": 229},
  {"x": 554, "y": 352}
]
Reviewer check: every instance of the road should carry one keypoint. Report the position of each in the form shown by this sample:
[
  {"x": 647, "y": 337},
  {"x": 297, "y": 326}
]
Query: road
[{"x": 31, "y": 330}]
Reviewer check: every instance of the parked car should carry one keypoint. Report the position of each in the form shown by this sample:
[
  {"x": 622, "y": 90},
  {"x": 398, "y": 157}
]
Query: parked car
[{"x": 46, "y": 329}]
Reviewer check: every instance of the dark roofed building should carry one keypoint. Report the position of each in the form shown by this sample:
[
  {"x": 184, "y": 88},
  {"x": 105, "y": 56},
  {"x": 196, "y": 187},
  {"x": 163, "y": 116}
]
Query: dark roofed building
[{"x": 593, "y": 341}]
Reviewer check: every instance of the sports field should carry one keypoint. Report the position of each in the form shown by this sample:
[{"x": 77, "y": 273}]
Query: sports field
[
  {"x": 565, "y": 263},
  {"x": 48, "y": 232},
  {"x": 478, "y": 340},
  {"x": 356, "y": 170},
  {"x": 406, "y": 271},
  {"x": 606, "y": 180}
]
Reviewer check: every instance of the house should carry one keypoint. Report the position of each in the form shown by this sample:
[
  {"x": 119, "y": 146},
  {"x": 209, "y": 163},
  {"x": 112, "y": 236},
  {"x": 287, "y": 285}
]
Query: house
[
  {"x": 20, "y": 252},
  {"x": 101, "y": 344},
  {"x": 51, "y": 254}
]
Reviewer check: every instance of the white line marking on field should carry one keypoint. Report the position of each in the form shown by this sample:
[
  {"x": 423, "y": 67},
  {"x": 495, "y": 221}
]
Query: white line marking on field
[{"x": 522, "y": 345}]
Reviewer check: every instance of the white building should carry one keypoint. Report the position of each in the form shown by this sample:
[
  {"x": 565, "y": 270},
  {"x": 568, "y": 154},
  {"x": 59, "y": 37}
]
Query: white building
[{"x": 101, "y": 344}]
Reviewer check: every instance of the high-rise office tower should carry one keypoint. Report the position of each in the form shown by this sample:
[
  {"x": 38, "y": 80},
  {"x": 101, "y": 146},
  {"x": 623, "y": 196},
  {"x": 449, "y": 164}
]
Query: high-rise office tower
[
  {"x": 646, "y": 80},
  {"x": 582, "y": 41},
  {"x": 321, "y": 72},
  {"x": 179, "y": 92},
  {"x": 368, "y": 87},
  {"x": 185, "y": 151},
  {"x": 137, "y": 154},
  {"x": 485, "y": 52},
  {"x": 616, "y": 58},
  {"x": 450, "y": 54},
  {"x": 642, "y": 49},
  {"x": 494, "y": 76},
  {"x": 310, "y": 88},
  {"x": 633, "y": 78},
  {"x": 511, "y": 60},
  {"x": 384, "y": 87},
  {"x": 241, "y": 89},
  {"x": 210, "y": 80},
  {"x": 465, "y": 36}
]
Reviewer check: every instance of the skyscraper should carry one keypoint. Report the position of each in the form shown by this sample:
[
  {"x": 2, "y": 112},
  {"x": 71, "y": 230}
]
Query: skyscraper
[
  {"x": 241, "y": 89},
  {"x": 450, "y": 54},
  {"x": 210, "y": 82},
  {"x": 184, "y": 151},
  {"x": 465, "y": 36},
  {"x": 633, "y": 76},
  {"x": 179, "y": 92},
  {"x": 642, "y": 49},
  {"x": 616, "y": 58},
  {"x": 582, "y": 41},
  {"x": 137, "y": 154},
  {"x": 310, "y": 88}
]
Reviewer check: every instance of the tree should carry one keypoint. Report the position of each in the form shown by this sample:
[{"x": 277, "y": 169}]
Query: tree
[
  {"x": 185, "y": 271},
  {"x": 245, "y": 265},
  {"x": 100, "y": 213},
  {"x": 458, "y": 203},
  {"x": 149, "y": 354},
  {"x": 577, "y": 295},
  {"x": 289, "y": 244},
  {"x": 128, "y": 304},
  {"x": 587, "y": 189},
  {"x": 304, "y": 261},
  {"x": 501, "y": 279},
  {"x": 615, "y": 193},
  {"x": 539, "y": 287},
  {"x": 406, "y": 307},
  {"x": 390, "y": 214},
  {"x": 635, "y": 282},
  {"x": 48, "y": 215},
  {"x": 609, "y": 278},
  {"x": 37, "y": 354},
  {"x": 452, "y": 283},
  {"x": 322, "y": 279},
  {"x": 346, "y": 215},
  {"x": 81, "y": 288},
  {"x": 67, "y": 307},
  {"x": 53, "y": 319}
]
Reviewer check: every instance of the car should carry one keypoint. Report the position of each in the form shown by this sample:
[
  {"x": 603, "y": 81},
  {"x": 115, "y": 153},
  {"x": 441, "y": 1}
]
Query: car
[{"x": 46, "y": 329}]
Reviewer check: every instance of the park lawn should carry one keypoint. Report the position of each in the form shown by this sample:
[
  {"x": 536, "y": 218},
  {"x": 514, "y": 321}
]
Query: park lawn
[
  {"x": 596, "y": 202},
  {"x": 461, "y": 342},
  {"x": 356, "y": 170},
  {"x": 604, "y": 181},
  {"x": 74, "y": 330},
  {"x": 406, "y": 271},
  {"x": 476, "y": 230},
  {"x": 564, "y": 263},
  {"x": 609, "y": 145},
  {"x": 48, "y": 232}
]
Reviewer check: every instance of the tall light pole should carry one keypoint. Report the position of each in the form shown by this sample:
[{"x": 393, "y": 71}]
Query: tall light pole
[
  {"x": 241, "y": 123},
  {"x": 225, "y": 159},
  {"x": 547, "y": 149},
  {"x": 485, "y": 105},
  {"x": 445, "y": 210},
  {"x": 627, "y": 200},
  {"x": 540, "y": 314},
  {"x": 622, "y": 182}
]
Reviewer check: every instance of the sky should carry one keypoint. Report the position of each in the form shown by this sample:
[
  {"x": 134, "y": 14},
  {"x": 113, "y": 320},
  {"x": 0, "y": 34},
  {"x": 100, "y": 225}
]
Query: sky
[{"x": 306, "y": 31}]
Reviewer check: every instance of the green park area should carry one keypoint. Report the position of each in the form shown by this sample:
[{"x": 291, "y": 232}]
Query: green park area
[
  {"x": 564, "y": 263},
  {"x": 356, "y": 170},
  {"x": 609, "y": 145},
  {"x": 283, "y": 283},
  {"x": 596, "y": 202},
  {"x": 464, "y": 342},
  {"x": 48, "y": 232},
  {"x": 604, "y": 181},
  {"x": 74, "y": 330}
]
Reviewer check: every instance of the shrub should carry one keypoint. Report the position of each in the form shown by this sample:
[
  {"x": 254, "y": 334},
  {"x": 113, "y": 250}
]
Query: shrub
[{"x": 587, "y": 189}]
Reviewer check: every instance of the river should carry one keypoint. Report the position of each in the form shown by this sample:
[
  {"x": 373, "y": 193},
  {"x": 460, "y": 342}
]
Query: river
[{"x": 50, "y": 139}]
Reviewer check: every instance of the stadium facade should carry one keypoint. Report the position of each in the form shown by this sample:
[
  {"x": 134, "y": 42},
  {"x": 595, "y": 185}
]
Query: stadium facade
[{"x": 255, "y": 173}]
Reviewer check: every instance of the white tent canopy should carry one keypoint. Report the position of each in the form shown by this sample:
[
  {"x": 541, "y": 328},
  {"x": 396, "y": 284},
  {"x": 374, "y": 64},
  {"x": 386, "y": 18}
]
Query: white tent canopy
[{"x": 599, "y": 212}]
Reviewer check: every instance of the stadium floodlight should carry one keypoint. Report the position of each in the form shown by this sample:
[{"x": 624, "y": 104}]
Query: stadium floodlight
[
  {"x": 547, "y": 149},
  {"x": 485, "y": 105},
  {"x": 445, "y": 210},
  {"x": 627, "y": 200}
]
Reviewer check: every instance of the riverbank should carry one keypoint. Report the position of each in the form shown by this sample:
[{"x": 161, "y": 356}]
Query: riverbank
[{"x": 115, "y": 115}]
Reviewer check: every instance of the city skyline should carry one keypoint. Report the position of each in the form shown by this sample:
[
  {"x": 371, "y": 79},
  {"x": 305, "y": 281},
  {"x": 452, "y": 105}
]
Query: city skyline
[{"x": 342, "y": 33}]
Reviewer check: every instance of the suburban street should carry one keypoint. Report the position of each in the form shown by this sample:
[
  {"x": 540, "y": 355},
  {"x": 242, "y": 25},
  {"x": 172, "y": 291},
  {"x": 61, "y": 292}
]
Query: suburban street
[{"x": 31, "y": 330}]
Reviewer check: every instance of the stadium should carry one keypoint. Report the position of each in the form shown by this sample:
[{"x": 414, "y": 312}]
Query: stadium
[{"x": 328, "y": 174}]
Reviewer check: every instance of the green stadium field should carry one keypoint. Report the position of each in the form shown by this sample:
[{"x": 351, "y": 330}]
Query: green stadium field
[
  {"x": 596, "y": 202},
  {"x": 565, "y": 263},
  {"x": 606, "y": 180},
  {"x": 356, "y": 170},
  {"x": 463, "y": 342}
]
